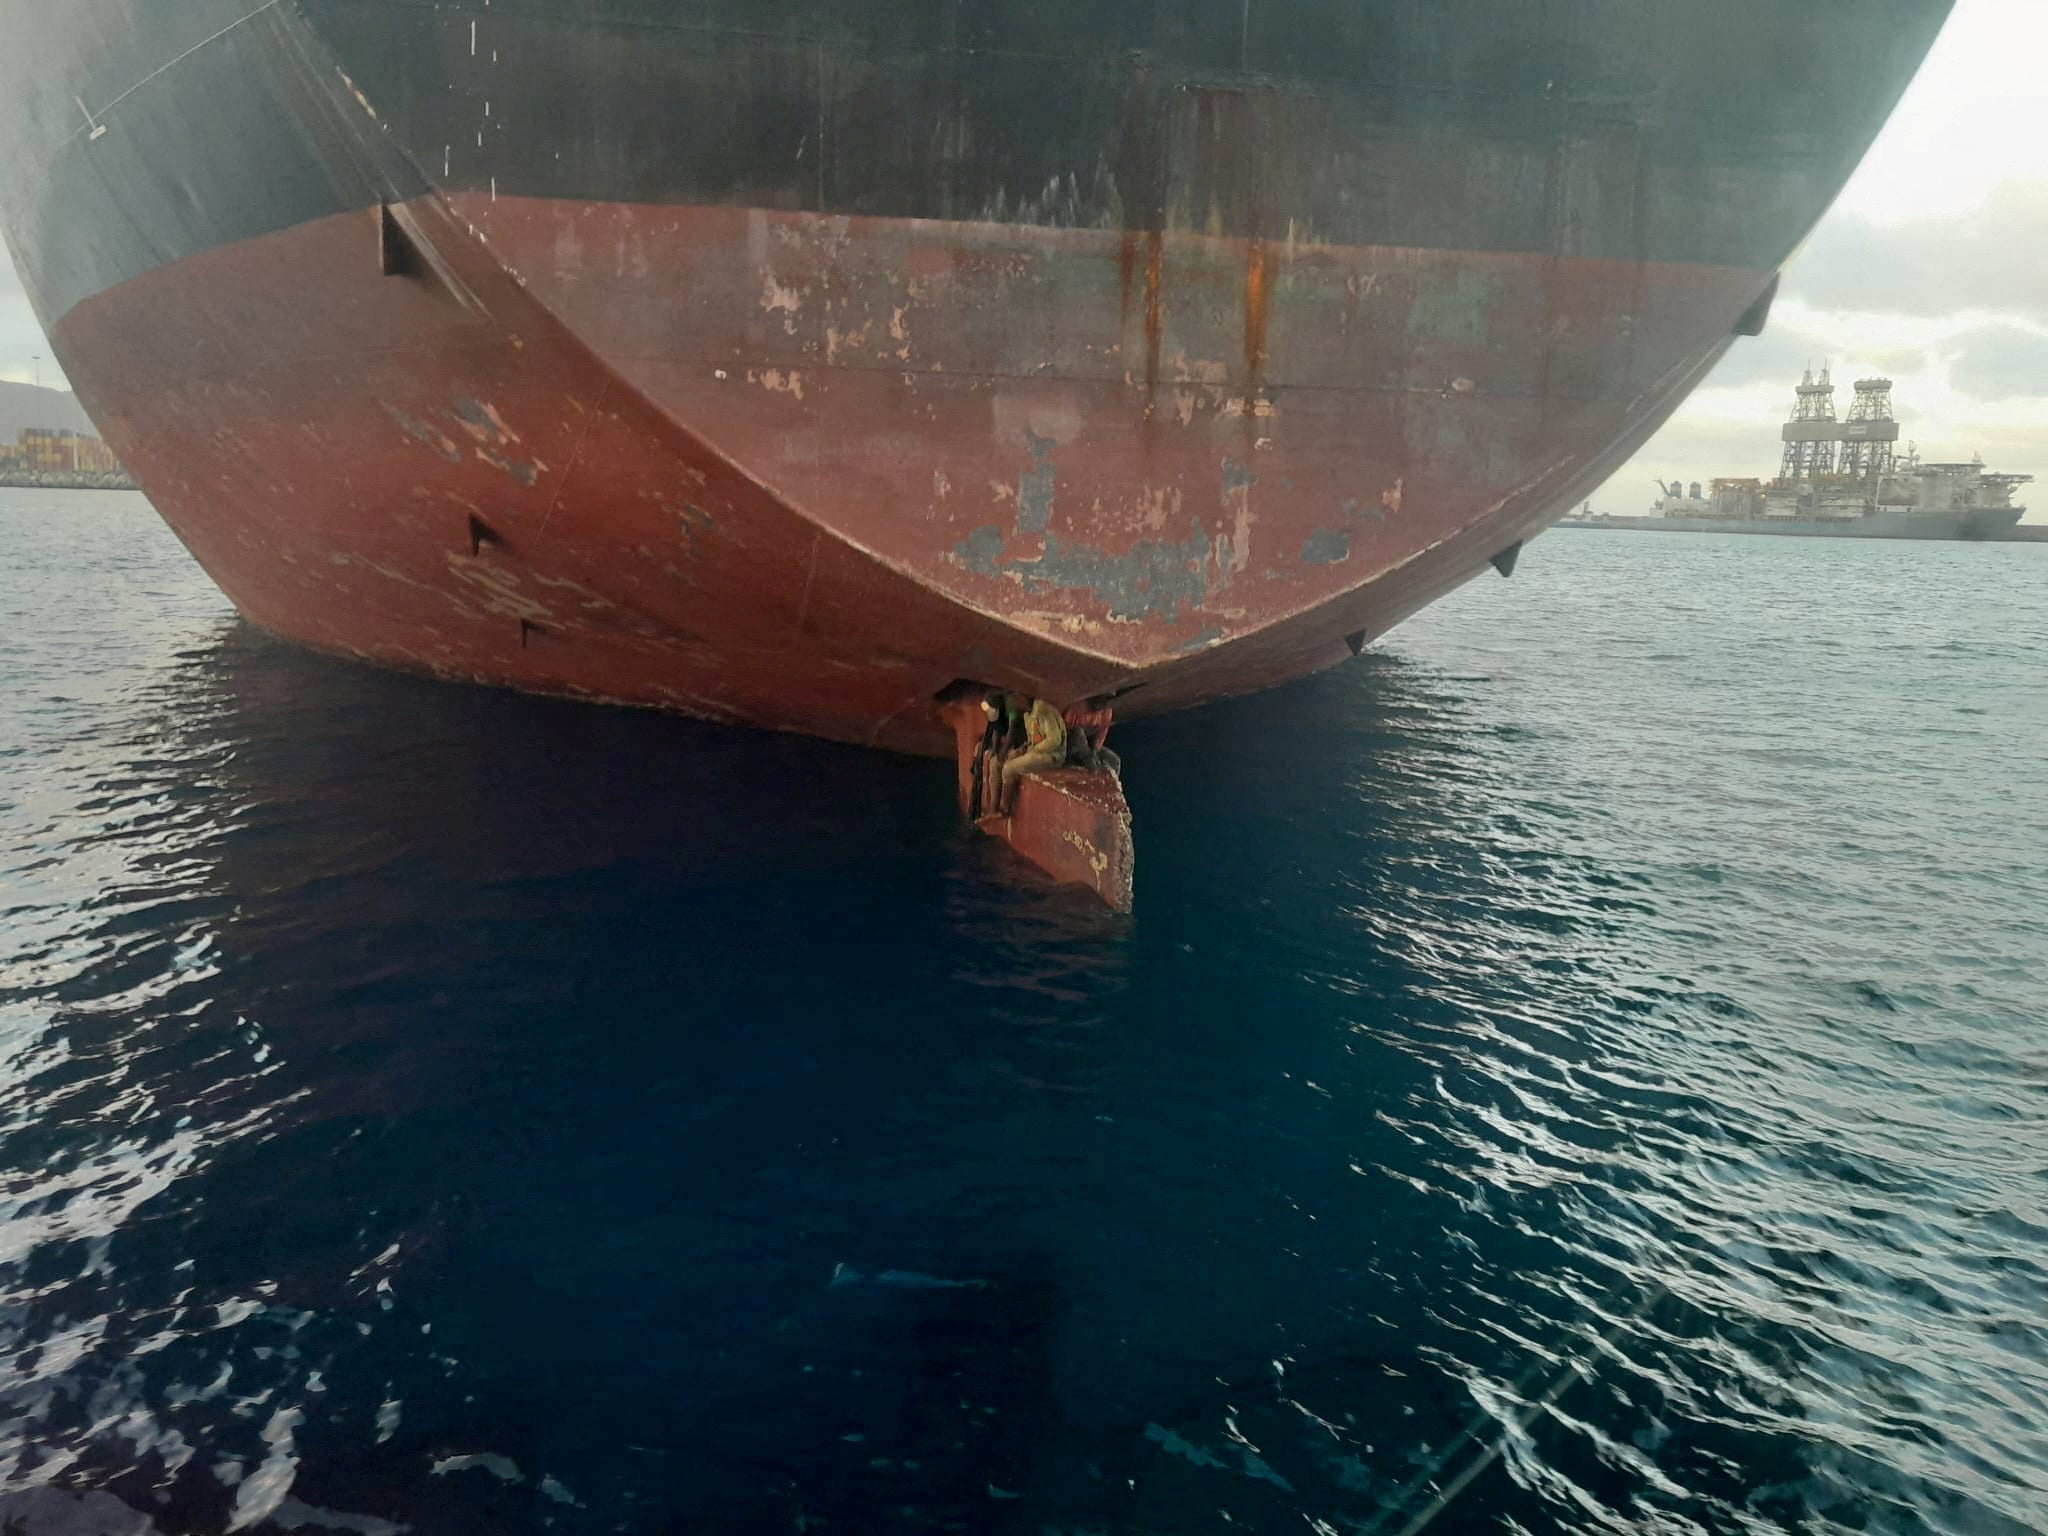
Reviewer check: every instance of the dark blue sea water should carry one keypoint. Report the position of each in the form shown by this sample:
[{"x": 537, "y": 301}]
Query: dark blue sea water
[{"x": 1581, "y": 1067}]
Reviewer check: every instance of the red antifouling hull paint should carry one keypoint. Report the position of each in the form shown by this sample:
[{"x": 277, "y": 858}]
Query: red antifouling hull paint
[{"x": 806, "y": 473}]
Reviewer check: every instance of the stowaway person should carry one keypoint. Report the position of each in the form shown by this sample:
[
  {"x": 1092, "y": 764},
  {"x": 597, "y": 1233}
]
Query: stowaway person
[
  {"x": 1045, "y": 746},
  {"x": 1088, "y": 737}
]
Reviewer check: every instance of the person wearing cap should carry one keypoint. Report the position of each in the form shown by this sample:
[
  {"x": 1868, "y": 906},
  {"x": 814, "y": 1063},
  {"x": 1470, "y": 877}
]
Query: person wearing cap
[{"x": 1002, "y": 735}]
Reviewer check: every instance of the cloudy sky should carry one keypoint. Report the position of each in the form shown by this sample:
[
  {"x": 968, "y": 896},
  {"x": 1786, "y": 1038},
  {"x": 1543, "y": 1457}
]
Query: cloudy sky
[
  {"x": 20, "y": 340},
  {"x": 1932, "y": 269}
]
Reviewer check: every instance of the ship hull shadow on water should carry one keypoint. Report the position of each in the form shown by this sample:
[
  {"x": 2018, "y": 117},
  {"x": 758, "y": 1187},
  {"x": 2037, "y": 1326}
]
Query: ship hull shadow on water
[{"x": 581, "y": 1028}]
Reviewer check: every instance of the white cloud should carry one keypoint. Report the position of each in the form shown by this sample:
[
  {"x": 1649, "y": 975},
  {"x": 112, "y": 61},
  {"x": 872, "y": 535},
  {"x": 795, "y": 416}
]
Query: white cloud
[
  {"x": 1969, "y": 124},
  {"x": 21, "y": 339},
  {"x": 1928, "y": 271},
  {"x": 1937, "y": 264},
  {"x": 1996, "y": 362}
]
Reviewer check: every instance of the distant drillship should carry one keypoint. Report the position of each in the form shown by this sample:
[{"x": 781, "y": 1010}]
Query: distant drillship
[{"x": 1840, "y": 479}]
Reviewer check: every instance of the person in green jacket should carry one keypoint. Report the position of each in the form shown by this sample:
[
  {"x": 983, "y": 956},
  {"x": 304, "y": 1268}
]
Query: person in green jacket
[{"x": 1045, "y": 738}]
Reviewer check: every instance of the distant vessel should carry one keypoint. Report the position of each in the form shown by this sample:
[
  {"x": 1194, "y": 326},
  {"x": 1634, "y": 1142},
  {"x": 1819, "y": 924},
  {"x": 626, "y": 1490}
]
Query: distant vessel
[{"x": 1840, "y": 479}]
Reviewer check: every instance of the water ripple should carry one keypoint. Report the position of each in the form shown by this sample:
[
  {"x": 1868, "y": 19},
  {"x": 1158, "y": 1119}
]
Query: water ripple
[{"x": 1575, "y": 1069}]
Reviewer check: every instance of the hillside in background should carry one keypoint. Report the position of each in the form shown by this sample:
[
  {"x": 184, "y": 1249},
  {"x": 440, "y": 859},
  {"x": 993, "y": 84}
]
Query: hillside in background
[{"x": 23, "y": 405}]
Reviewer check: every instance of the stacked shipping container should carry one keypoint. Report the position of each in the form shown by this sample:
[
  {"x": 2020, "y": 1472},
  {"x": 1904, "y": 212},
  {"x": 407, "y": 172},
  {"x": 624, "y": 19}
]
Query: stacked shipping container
[{"x": 49, "y": 450}]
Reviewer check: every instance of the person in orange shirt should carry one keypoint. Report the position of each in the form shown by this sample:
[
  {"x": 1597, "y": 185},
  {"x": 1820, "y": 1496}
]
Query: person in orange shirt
[{"x": 1088, "y": 737}]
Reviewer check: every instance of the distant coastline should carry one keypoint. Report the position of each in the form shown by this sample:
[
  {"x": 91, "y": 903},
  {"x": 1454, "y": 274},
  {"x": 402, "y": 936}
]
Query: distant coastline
[
  {"x": 64, "y": 480},
  {"x": 48, "y": 443}
]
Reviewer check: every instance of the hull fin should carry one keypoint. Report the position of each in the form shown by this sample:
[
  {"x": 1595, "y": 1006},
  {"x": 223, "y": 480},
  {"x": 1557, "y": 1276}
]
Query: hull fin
[
  {"x": 1758, "y": 315},
  {"x": 395, "y": 254}
]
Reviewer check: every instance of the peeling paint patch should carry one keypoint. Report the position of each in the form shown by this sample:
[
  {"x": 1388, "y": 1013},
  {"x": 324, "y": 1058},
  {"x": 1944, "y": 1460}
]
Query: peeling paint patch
[
  {"x": 484, "y": 426},
  {"x": 1157, "y": 505},
  {"x": 1034, "y": 486},
  {"x": 423, "y": 432},
  {"x": 1209, "y": 636},
  {"x": 776, "y": 381},
  {"x": 1201, "y": 371},
  {"x": 389, "y": 573},
  {"x": 1234, "y": 549},
  {"x": 1326, "y": 546},
  {"x": 774, "y": 297},
  {"x": 1047, "y": 621},
  {"x": 1453, "y": 314},
  {"x": 1157, "y": 579},
  {"x": 498, "y": 591},
  {"x": 483, "y": 422},
  {"x": 837, "y": 340},
  {"x": 692, "y": 521},
  {"x": 1367, "y": 509},
  {"x": 981, "y": 550},
  {"x": 525, "y": 473}
]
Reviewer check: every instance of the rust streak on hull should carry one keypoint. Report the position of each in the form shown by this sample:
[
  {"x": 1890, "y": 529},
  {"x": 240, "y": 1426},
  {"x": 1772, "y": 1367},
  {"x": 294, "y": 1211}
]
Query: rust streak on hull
[{"x": 1256, "y": 315}]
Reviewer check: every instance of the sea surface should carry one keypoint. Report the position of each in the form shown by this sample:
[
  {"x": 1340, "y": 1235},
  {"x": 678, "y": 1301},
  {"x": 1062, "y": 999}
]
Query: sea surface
[{"x": 1581, "y": 1067}]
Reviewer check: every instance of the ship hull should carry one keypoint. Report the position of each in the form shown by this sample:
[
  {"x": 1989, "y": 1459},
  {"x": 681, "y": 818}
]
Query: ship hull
[
  {"x": 795, "y": 376},
  {"x": 496, "y": 501}
]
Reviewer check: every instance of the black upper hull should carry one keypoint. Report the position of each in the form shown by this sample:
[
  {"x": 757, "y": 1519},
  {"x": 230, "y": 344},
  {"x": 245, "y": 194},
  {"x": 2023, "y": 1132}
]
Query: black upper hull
[{"x": 1711, "y": 131}]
